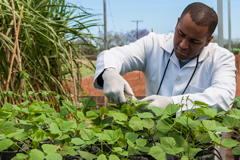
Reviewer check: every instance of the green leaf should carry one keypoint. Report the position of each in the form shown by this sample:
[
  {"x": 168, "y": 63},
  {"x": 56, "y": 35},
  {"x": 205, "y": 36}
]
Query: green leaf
[
  {"x": 174, "y": 151},
  {"x": 228, "y": 142},
  {"x": 125, "y": 153},
  {"x": 130, "y": 143},
  {"x": 209, "y": 124},
  {"x": 110, "y": 135},
  {"x": 127, "y": 109},
  {"x": 102, "y": 157},
  {"x": 141, "y": 142},
  {"x": 87, "y": 134},
  {"x": 198, "y": 103},
  {"x": 113, "y": 157},
  {"x": 77, "y": 141},
  {"x": 54, "y": 129},
  {"x": 145, "y": 115},
  {"x": 222, "y": 129},
  {"x": 66, "y": 125},
  {"x": 7, "y": 106},
  {"x": 5, "y": 144},
  {"x": 54, "y": 156},
  {"x": 136, "y": 123},
  {"x": 157, "y": 153},
  {"x": 86, "y": 155},
  {"x": 103, "y": 110},
  {"x": 119, "y": 116},
  {"x": 63, "y": 112},
  {"x": 210, "y": 112},
  {"x": 36, "y": 154},
  {"x": 22, "y": 156},
  {"x": 7, "y": 126},
  {"x": 67, "y": 151},
  {"x": 184, "y": 158},
  {"x": 202, "y": 137},
  {"x": 167, "y": 142},
  {"x": 235, "y": 112},
  {"x": 143, "y": 149},
  {"x": 83, "y": 125},
  {"x": 107, "y": 120},
  {"x": 163, "y": 126},
  {"x": 191, "y": 152},
  {"x": 196, "y": 125},
  {"x": 50, "y": 111},
  {"x": 215, "y": 137},
  {"x": 180, "y": 141},
  {"x": 15, "y": 133},
  {"x": 236, "y": 150},
  {"x": 230, "y": 122},
  {"x": 142, "y": 104},
  {"x": 89, "y": 102},
  {"x": 157, "y": 110},
  {"x": 171, "y": 109},
  {"x": 91, "y": 115},
  {"x": 49, "y": 148},
  {"x": 81, "y": 115},
  {"x": 117, "y": 149},
  {"x": 185, "y": 121},
  {"x": 131, "y": 136},
  {"x": 148, "y": 123}
]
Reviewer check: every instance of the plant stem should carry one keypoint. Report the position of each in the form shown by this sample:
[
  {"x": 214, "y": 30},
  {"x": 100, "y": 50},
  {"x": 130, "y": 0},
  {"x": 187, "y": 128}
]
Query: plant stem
[
  {"x": 73, "y": 77},
  {"x": 14, "y": 49}
]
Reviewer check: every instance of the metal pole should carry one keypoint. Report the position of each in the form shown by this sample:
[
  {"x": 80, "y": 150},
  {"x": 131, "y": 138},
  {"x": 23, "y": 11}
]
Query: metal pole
[
  {"x": 220, "y": 23},
  {"x": 229, "y": 27},
  {"x": 105, "y": 24}
]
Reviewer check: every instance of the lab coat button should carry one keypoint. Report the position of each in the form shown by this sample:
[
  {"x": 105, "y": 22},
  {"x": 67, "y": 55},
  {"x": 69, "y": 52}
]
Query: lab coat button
[{"x": 177, "y": 79}]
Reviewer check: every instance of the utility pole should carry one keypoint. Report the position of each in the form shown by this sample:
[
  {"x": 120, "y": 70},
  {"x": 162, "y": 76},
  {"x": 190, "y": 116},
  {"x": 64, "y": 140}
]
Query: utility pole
[
  {"x": 229, "y": 27},
  {"x": 105, "y": 24},
  {"x": 220, "y": 22},
  {"x": 137, "y": 26}
]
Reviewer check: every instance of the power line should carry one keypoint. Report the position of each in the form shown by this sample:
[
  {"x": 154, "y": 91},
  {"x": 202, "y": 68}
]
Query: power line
[
  {"x": 111, "y": 16},
  {"x": 137, "y": 25}
]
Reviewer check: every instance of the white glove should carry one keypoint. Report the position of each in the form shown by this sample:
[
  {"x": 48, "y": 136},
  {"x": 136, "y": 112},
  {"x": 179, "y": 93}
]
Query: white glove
[
  {"x": 114, "y": 86},
  {"x": 157, "y": 101}
]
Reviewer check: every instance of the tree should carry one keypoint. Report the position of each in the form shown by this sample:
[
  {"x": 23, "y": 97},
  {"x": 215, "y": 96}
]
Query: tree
[{"x": 120, "y": 38}]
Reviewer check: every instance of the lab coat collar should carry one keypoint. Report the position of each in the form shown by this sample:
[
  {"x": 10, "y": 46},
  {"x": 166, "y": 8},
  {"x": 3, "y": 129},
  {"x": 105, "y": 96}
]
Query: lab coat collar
[{"x": 168, "y": 47}]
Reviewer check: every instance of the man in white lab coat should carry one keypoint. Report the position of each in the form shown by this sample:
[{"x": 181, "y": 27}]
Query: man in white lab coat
[{"x": 177, "y": 65}]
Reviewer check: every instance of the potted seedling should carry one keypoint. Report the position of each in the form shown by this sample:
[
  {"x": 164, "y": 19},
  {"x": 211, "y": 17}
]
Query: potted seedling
[{"x": 113, "y": 132}]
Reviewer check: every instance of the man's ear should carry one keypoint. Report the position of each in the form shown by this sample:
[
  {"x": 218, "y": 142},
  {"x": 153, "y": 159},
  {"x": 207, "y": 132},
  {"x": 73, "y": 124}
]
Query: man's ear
[
  {"x": 178, "y": 21},
  {"x": 209, "y": 40}
]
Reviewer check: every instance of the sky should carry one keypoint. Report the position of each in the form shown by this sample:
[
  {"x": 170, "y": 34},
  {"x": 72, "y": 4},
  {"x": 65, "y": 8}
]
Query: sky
[{"x": 157, "y": 15}]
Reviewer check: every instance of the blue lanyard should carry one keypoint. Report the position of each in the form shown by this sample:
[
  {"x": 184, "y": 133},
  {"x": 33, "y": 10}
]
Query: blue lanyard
[{"x": 166, "y": 70}]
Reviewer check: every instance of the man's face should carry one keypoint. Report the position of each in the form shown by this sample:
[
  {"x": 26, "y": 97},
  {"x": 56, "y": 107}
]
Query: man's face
[{"x": 189, "y": 39}]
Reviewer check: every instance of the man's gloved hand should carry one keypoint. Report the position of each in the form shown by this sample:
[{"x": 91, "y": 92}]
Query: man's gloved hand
[
  {"x": 157, "y": 101},
  {"x": 114, "y": 86}
]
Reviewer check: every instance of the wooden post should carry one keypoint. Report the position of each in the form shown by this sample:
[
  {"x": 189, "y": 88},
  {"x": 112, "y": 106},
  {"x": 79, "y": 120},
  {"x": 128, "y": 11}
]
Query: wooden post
[{"x": 73, "y": 77}]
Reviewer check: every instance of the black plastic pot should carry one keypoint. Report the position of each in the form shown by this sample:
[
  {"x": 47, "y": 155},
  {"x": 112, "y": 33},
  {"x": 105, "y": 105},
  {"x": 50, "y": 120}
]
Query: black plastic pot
[
  {"x": 237, "y": 138},
  {"x": 8, "y": 155}
]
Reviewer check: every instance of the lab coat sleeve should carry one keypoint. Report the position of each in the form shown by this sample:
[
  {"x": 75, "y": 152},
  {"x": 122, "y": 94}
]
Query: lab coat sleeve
[
  {"x": 125, "y": 59},
  {"x": 223, "y": 86}
]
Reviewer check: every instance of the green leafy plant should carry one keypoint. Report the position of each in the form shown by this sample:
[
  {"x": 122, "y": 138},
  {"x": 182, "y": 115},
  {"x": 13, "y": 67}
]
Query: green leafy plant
[
  {"x": 112, "y": 132},
  {"x": 42, "y": 60}
]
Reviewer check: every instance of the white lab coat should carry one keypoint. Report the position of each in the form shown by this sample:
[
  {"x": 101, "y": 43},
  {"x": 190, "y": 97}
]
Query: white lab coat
[{"x": 213, "y": 82}]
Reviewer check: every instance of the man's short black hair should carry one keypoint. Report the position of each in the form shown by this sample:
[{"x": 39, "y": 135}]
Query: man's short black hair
[{"x": 202, "y": 15}]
